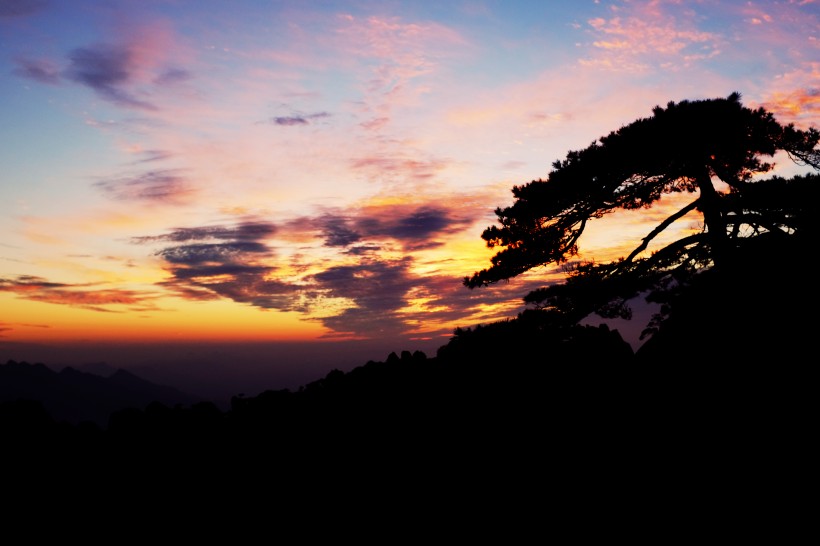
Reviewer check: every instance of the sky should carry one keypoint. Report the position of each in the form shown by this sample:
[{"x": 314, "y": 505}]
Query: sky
[{"x": 311, "y": 178}]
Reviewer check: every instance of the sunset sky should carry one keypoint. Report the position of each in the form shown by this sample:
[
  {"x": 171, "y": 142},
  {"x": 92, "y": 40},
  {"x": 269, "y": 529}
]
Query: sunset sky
[{"x": 263, "y": 171}]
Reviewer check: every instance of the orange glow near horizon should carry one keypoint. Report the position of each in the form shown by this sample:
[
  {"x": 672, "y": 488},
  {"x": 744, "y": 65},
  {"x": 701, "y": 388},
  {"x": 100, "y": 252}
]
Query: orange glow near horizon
[{"x": 188, "y": 321}]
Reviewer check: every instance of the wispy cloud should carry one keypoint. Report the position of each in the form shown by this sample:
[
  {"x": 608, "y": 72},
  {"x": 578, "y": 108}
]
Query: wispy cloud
[
  {"x": 399, "y": 165},
  {"x": 413, "y": 225},
  {"x": 643, "y": 35},
  {"x": 289, "y": 121},
  {"x": 150, "y": 156},
  {"x": 234, "y": 270},
  {"x": 243, "y": 231},
  {"x": 163, "y": 186},
  {"x": 173, "y": 76},
  {"x": 235, "y": 266},
  {"x": 40, "y": 70},
  {"x": 378, "y": 291},
  {"x": 400, "y": 58},
  {"x": 85, "y": 296}
]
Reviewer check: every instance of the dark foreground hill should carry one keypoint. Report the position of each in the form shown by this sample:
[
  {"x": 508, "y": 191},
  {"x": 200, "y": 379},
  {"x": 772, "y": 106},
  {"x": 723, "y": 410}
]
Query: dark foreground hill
[{"x": 713, "y": 419}]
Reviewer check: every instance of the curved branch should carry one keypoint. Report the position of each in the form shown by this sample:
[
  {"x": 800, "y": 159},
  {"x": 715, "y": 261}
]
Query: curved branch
[
  {"x": 670, "y": 250},
  {"x": 662, "y": 226}
]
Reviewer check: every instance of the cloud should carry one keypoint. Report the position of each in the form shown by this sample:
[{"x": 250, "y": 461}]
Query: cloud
[
  {"x": 40, "y": 70},
  {"x": 646, "y": 36},
  {"x": 210, "y": 273},
  {"x": 375, "y": 124},
  {"x": 165, "y": 186},
  {"x": 387, "y": 298},
  {"x": 397, "y": 165},
  {"x": 419, "y": 224},
  {"x": 289, "y": 121},
  {"x": 149, "y": 156},
  {"x": 106, "y": 69},
  {"x": 360, "y": 293},
  {"x": 364, "y": 298},
  {"x": 222, "y": 253},
  {"x": 20, "y": 8},
  {"x": 378, "y": 290},
  {"x": 236, "y": 267},
  {"x": 415, "y": 226},
  {"x": 368, "y": 228},
  {"x": 407, "y": 50},
  {"x": 136, "y": 65},
  {"x": 401, "y": 60},
  {"x": 173, "y": 76},
  {"x": 76, "y": 295},
  {"x": 338, "y": 231},
  {"x": 244, "y": 231},
  {"x": 795, "y": 96},
  {"x": 795, "y": 102},
  {"x": 362, "y": 250},
  {"x": 798, "y": 105}
]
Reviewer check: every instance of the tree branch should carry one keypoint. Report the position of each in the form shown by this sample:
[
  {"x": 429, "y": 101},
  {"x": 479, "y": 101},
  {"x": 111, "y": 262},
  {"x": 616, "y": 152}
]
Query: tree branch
[{"x": 662, "y": 226}]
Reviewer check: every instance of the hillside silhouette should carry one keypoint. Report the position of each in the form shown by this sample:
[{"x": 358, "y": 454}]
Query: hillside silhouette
[
  {"x": 501, "y": 380},
  {"x": 569, "y": 415}
]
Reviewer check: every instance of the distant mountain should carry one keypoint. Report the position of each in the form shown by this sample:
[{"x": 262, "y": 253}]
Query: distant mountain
[
  {"x": 97, "y": 368},
  {"x": 74, "y": 396}
]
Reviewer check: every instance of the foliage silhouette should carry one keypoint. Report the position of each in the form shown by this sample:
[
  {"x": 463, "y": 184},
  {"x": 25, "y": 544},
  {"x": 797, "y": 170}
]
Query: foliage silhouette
[{"x": 686, "y": 147}]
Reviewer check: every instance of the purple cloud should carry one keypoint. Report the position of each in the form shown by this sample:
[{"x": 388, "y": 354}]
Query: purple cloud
[
  {"x": 224, "y": 253},
  {"x": 106, "y": 69},
  {"x": 149, "y": 156},
  {"x": 236, "y": 267},
  {"x": 40, "y": 70},
  {"x": 338, "y": 231},
  {"x": 378, "y": 288},
  {"x": 289, "y": 121},
  {"x": 244, "y": 231},
  {"x": 172, "y": 76},
  {"x": 237, "y": 262},
  {"x": 161, "y": 186},
  {"x": 414, "y": 227}
]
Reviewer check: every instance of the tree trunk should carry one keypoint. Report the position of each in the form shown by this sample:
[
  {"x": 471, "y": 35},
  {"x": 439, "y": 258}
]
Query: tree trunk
[{"x": 713, "y": 217}]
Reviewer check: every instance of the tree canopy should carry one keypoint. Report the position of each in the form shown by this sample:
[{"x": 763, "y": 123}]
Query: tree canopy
[{"x": 686, "y": 147}]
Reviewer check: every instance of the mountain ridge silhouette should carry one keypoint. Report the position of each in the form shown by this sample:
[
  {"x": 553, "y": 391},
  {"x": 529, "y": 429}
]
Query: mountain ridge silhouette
[{"x": 75, "y": 396}]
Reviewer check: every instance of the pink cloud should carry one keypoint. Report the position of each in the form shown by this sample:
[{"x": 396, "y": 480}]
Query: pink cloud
[
  {"x": 795, "y": 96},
  {"x": 399, "y": 165},
  {"x": 398, "y": 54},
  {"x": 645, "y": 35},
  {"x": 390, "y": 38}
]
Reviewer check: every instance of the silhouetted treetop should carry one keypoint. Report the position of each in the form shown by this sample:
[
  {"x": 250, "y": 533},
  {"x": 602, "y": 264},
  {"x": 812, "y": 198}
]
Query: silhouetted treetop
[{"x": 684, "y": 147}]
